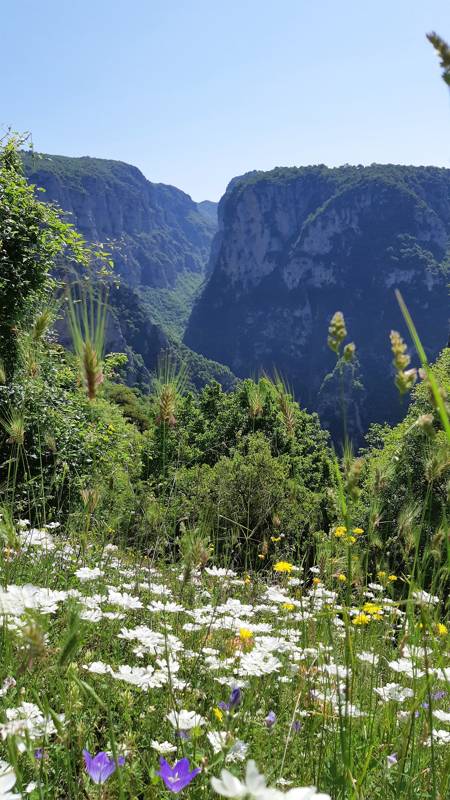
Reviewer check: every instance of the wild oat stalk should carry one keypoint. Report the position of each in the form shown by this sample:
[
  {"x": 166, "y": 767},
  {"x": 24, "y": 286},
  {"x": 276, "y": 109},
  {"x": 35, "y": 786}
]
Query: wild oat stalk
[
  {"x": 87, "y": 322},
  {"x": 434, "y": 387},
  {"x": 443, "y": 51},
  {"x": 283, "y": 398},
  {"x": 13, "y": 423},
  {"x": 256, "y": 396},
  {"x": 169, "y": 386}
]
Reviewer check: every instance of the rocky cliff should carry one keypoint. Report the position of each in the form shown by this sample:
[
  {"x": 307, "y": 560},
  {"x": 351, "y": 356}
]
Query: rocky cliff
[
  {"x": 159, "y": 240},
  {"x": 295, "y": 245},
  {"x": 154, "y": 231}
]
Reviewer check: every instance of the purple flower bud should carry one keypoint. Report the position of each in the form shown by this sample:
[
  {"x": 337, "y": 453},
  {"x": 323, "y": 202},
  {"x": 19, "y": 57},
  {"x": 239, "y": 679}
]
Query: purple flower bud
[
  {"x": 392, "y": 760},
  {"x": 101, "y": 766},
  {"x": 235, "y": 697},
  {"x": 223, "y": 706},
  {"x": 177, "y": 777},
  {"x": 39, "y": 753},
  {"x": 183, "y": 734},
  {"x": 271, "y": 719},
  {"x": 296, "y": 726}
]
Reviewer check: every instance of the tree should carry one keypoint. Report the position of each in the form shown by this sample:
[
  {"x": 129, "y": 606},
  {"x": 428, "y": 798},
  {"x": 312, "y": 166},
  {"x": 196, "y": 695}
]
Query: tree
[{"x": 33, "y": 238}]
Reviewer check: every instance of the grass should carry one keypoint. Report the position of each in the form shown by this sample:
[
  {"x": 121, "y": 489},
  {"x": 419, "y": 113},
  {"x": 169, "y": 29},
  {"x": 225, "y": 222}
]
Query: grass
[{"x": 116, "y": 645}]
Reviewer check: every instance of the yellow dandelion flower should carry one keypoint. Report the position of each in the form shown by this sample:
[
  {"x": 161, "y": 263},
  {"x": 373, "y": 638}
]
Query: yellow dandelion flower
[
  {"x": 245, "y": 634},
  {"x": 372, "y": 608},
  {"x": 361, "y": 619},
  {"x": 351, "y": 539},
  {"x": 218, "y": 713},
  {"x": 341, "y": 530},
  {"x": 382, "y": 573},
  {"x": 341, "y": 577},
  {"x": 358, "y": 531},
  {"x": 275, "y": 538},
  {"x": 441, "y": 629},
  {"x": 317, "y": 581},
  {"x": 392, "y": 578},
  {"x": 283, "y": 566},
  {"x": 288, "y": 606}
]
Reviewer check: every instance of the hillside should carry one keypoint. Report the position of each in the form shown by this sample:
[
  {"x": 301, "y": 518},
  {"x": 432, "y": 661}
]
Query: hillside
[
  {"x": 159, "y": 240},
  {"x": 295, "y": 245},
  {"x": 155, "y": 232}
]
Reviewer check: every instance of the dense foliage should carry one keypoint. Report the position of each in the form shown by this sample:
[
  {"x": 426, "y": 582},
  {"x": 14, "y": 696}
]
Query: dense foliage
[
  {"x": 32, "y": 238},
  {"x": 407, "y": 484}
]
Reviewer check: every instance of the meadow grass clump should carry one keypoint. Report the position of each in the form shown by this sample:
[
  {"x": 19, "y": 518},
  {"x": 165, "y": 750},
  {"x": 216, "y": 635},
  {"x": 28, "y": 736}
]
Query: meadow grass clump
[{"x": 112, "y": 673}]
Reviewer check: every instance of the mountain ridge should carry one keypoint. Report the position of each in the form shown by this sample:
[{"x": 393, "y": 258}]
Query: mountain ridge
[{"x": 296, "y": 244}]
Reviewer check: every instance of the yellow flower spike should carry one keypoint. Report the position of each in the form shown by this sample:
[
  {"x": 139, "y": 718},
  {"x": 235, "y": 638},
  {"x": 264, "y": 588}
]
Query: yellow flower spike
[
  {"x": 247, "y": 580},
  {"x": 342, "y": 578},
  {"x": 361, "y": 619},
  {"x": 218, "y": 713},
  {"x": 283, "y": 566},
  {"x": 441, "y": 629},
  {"x": 245, "y": 635}
]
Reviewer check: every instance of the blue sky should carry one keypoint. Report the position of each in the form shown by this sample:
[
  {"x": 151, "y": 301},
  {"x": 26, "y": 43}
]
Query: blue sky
[{"x": 196, "y": 92}]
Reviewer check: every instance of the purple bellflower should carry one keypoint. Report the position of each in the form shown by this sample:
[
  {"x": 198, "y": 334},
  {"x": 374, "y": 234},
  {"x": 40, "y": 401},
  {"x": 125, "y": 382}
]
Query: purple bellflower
[
  {"x": 177, "y": 777},
  {"x": 271, "y": 719},
  {"x": 234, "y": 700},
  {"x": 101, "y": 767},
  {"x": 235, "y": 697}
]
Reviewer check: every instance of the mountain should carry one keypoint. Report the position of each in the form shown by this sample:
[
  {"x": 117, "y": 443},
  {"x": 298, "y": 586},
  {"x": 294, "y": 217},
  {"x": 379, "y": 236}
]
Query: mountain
[
  {"x": 209, "y": 210},
  {"x": 159, "y": 240},
  {"x": 296, "y": 244},
  {"x": 154, "y": 232}
]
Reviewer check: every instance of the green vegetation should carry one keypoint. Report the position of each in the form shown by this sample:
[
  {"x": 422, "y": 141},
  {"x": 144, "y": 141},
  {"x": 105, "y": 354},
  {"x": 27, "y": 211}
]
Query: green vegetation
[
  {"x": 170, "y": 308},
  {"x": 195, "y": 574},
  {"x": 32, "y": 238}
]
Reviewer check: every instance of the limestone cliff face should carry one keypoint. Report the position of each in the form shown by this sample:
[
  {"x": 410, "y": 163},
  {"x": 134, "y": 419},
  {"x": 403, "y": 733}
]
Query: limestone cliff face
[
  {"x": 295, "y": 245},
  {"x": 153, "y": 231}
]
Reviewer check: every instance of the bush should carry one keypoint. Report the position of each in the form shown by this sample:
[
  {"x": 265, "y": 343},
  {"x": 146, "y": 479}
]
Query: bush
[{"x": 406, "y": 485}]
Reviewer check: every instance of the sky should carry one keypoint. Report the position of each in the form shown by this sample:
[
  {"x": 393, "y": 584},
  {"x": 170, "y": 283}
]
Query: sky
[{"x": 195, "y": 92}]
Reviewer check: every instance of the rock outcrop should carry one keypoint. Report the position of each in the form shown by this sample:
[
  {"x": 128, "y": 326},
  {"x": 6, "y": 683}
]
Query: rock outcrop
[
  {"x": 153, "y": 231},
  {"x": 295, "y": 245}
]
